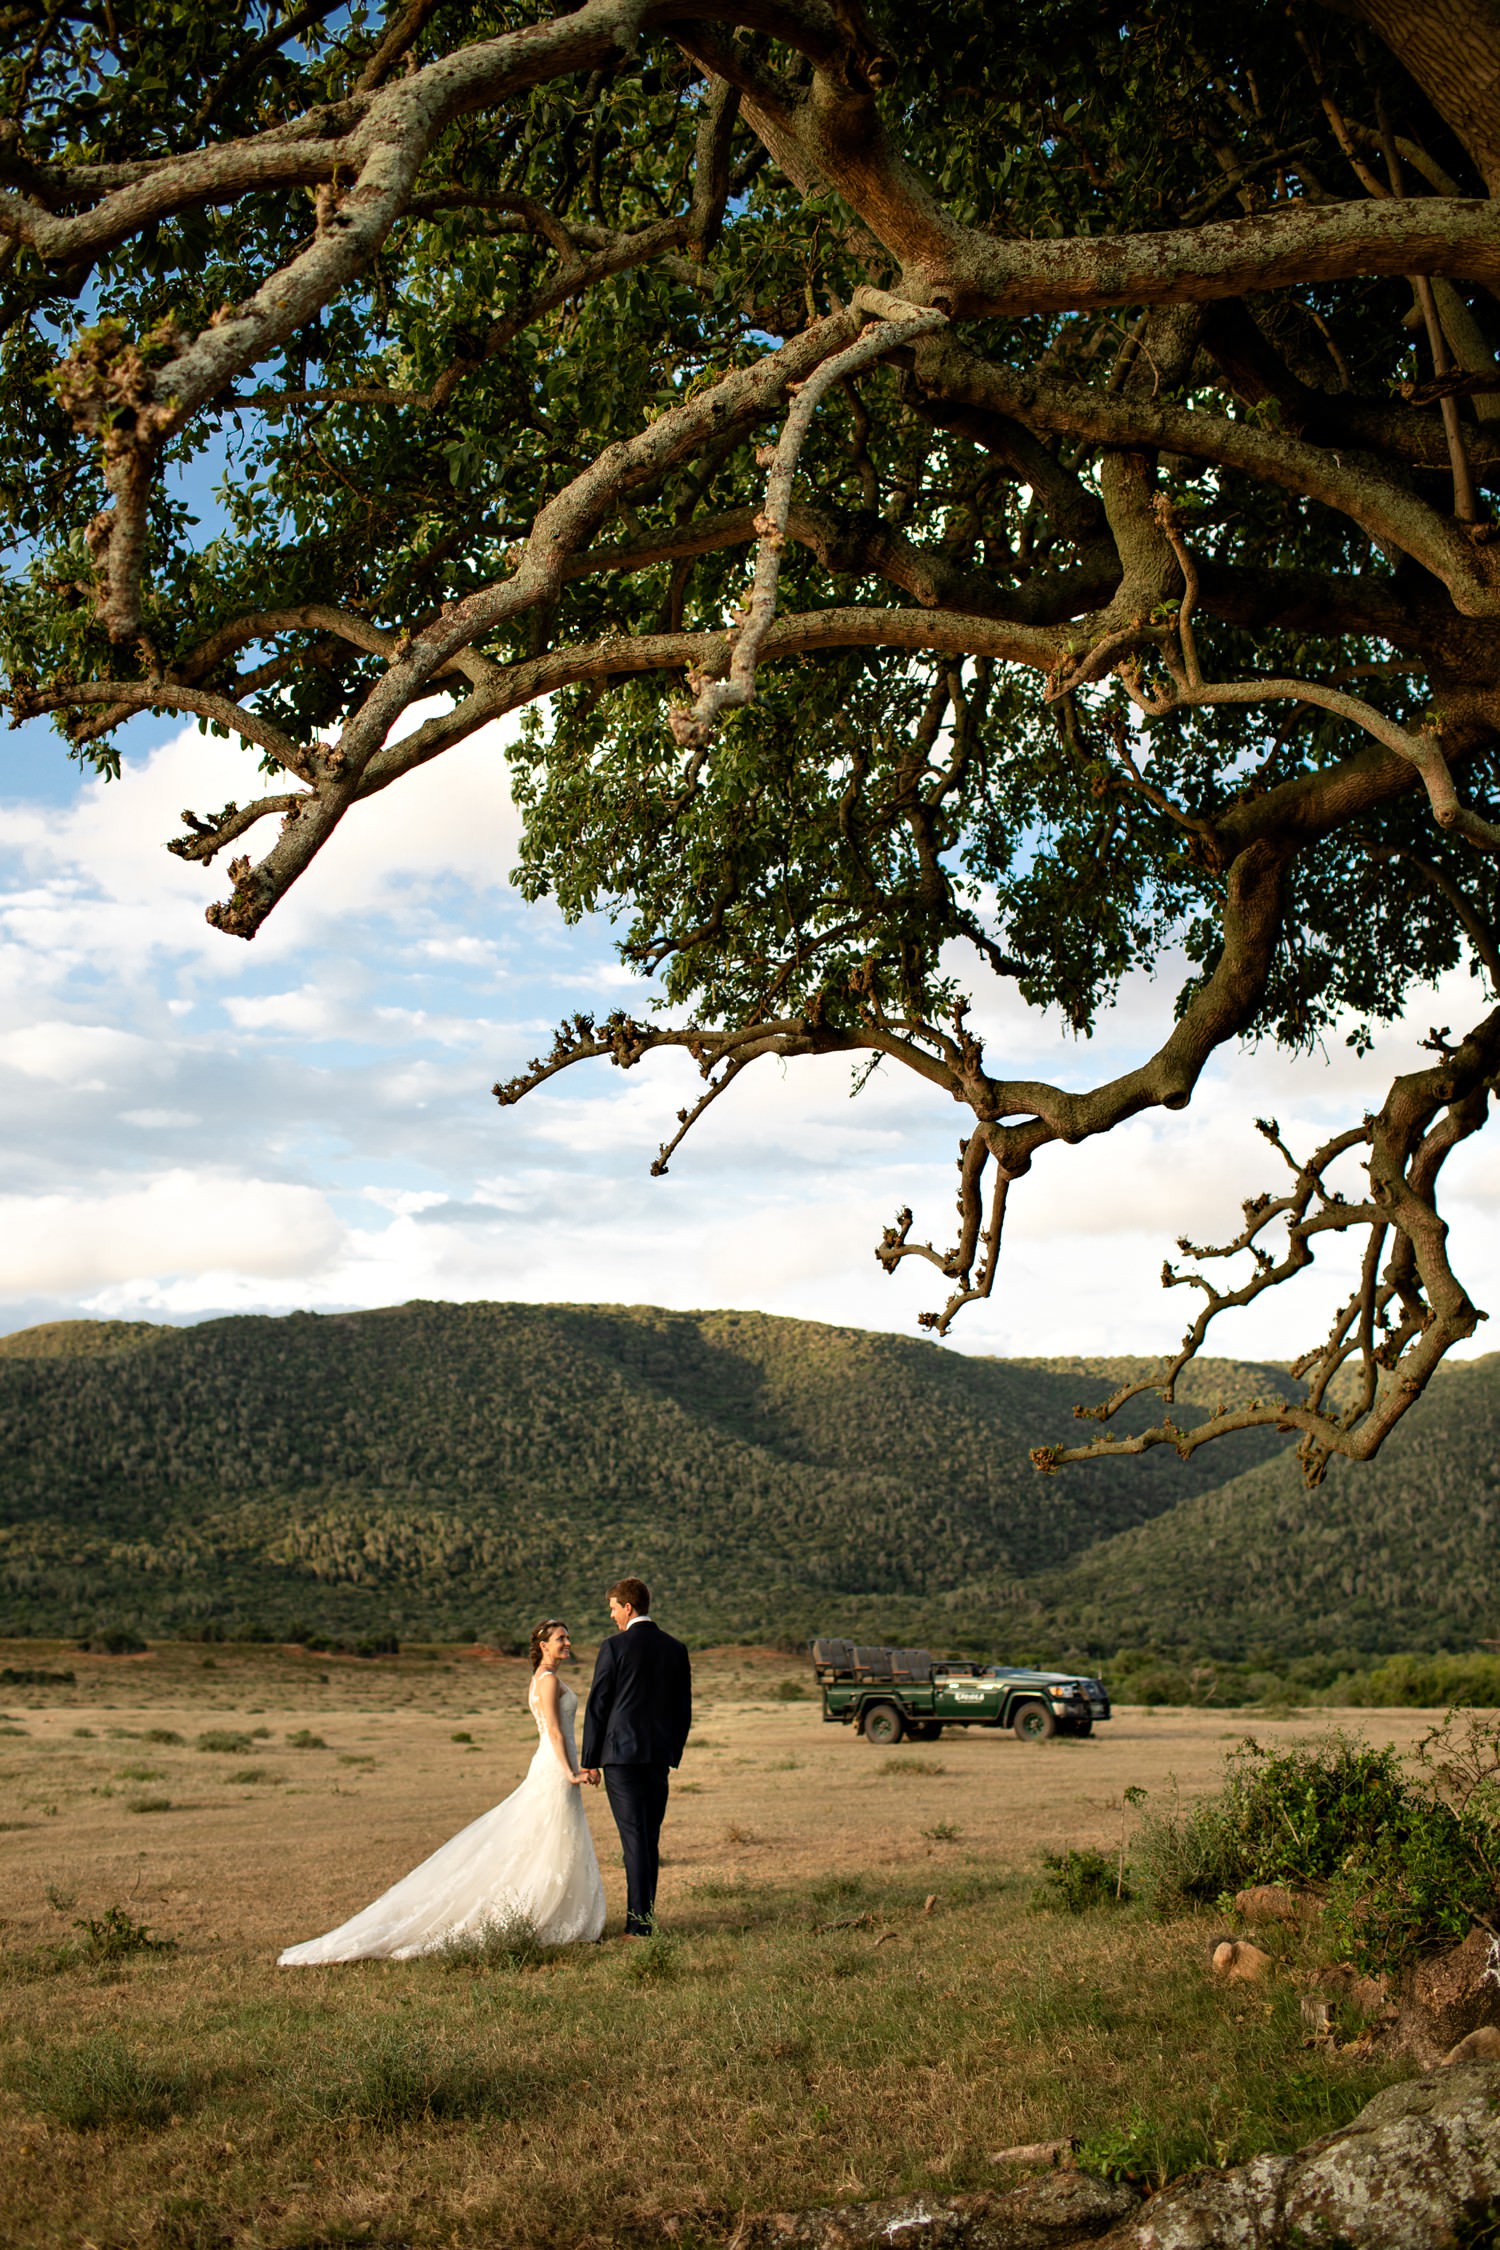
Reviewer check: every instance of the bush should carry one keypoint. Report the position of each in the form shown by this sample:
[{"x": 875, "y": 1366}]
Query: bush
[
  {"x": 226, "y": 1741},
  {"x": 1400, "y": 1866},
  {"x": 163, "y": 1734},
  {"x": 148, "y": 1804},
  {"x": 402, "y": 2080},
  {"x": 305, "y": 1739},
  {"x": 501, "y": 1941},
  {"x": 1078, "y": 1881},
  {"x": 113, "y": 1640},
  {"x": 652, "y": 1960},
  {"x": 102, "y": 2085},
  {"x": 28, "y": 1675},
  {"x": 113, "y": 1935},
  {"x": 1421, "y": 1682}
]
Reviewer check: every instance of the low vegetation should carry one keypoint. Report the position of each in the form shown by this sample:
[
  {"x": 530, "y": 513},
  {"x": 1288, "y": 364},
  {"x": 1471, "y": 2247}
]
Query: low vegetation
[
  {"x": 1401, "y": 1861},
  {"x": 836, "y": 2039}
]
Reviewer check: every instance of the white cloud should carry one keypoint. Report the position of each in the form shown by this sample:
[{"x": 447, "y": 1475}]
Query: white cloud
[
  {"x": 307, "y": 1120},
  {"x": 177, "y": 1223},
  {"x": 72, "y": 1054},
  {"x": 161, "y": 1120}
]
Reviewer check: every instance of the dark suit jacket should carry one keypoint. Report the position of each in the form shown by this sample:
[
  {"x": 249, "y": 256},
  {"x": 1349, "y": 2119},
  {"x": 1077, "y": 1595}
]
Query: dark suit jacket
[{"x": 641, "y": 1702}]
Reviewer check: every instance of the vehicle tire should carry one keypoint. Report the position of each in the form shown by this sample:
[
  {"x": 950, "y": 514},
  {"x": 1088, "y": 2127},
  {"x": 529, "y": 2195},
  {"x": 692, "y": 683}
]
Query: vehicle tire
[
  {"x": 1033, "y": 1722},
  {"x": 883, "y": 1724}
]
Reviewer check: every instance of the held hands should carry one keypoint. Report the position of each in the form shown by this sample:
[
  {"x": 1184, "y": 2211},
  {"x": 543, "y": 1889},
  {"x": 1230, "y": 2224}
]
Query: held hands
[{"x": 587, "y": 1777}]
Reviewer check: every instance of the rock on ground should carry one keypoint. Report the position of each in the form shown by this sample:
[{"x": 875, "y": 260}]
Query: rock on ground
[
  {"x": 1061, "y": 2211},
  {"x": 1418, "y": 2169},
  {"x": 1446, "y": 1998},
  {"x": 1275, "y": 1902}
]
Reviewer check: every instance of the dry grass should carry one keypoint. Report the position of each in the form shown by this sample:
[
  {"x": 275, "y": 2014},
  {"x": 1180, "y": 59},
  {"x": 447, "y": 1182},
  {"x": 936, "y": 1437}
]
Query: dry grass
[{"x": 804, "y": 2031}]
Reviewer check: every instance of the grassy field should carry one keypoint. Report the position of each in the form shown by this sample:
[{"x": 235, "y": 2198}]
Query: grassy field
[{"x": 854, "y": 1995}]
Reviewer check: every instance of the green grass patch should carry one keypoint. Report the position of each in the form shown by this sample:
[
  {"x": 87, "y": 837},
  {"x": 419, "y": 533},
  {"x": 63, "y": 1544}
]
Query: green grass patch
[
  {"x": 101, "y": 2085},
  {"x": 1075, "y": 1882},
  {"x": 225, "y": 1742},
  {"x": 402, "y": 2079},
  {"x": 837, "y": 2043}
]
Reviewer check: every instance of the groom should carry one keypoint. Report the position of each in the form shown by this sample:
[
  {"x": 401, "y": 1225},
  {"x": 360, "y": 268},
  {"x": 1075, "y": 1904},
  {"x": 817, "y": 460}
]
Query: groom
[{"x": 640, "y": 1709}]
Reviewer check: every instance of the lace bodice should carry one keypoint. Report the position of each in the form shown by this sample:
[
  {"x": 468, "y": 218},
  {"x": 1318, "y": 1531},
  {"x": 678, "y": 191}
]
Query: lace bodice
[{"x": 567, "y": 1708}]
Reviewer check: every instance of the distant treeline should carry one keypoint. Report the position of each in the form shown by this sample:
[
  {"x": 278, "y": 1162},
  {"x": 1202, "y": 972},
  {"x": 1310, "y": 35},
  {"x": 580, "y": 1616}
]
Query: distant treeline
[{"x": 443, "y": 1472}]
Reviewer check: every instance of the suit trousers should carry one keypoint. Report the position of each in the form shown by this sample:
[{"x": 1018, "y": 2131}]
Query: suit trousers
[{"x": 638, "y": 1799}]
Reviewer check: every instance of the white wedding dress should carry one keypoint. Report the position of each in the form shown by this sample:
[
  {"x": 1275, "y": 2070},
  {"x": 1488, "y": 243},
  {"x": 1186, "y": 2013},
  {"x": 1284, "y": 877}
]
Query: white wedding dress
[{"x": 532, "y": 1855}]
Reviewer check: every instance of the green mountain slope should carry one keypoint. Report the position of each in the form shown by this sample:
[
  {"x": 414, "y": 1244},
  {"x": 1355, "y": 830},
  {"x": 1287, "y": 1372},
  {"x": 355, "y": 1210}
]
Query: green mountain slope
[
  {"x": 1403, "y": 1552},
  {"x": 444, "y": 1469}
]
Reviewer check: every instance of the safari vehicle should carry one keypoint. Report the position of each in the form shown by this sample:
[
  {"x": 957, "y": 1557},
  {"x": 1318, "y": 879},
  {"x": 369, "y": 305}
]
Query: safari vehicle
[{"x": 885, "y": 1693}]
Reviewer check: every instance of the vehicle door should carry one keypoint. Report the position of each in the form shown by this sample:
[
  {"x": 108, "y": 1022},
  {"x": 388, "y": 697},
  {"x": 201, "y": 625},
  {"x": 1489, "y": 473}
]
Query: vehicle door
[{"x": 976, "y": 1700}]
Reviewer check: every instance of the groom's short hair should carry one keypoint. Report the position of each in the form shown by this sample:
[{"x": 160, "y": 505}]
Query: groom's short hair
[{"x": 635, "y": 1591}]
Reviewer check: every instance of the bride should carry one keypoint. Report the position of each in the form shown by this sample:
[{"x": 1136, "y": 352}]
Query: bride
[{"x": 531, "y": 1856}]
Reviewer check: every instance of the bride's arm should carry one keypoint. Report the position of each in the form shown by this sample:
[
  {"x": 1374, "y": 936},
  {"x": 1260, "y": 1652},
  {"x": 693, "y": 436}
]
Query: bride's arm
[{"x": 547, "y": 1705}]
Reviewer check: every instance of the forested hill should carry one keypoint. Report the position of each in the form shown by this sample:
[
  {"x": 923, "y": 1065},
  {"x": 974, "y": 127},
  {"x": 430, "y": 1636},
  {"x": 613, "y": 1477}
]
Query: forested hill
[
  {"x": 450, "y": 1470},
  {"x": 1401, "y": 1552},
  {"x": 441, "y": 1470}
]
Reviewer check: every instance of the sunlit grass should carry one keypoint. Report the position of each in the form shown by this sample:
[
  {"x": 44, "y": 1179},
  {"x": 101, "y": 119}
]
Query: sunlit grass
[{"x": 851, "y": 2036}]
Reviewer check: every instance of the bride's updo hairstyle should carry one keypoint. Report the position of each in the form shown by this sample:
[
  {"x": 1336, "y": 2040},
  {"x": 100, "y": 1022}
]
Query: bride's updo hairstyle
[{"x": 539, "y": 1635}]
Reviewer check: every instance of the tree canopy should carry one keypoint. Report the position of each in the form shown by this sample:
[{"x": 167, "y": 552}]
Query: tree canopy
[{"x": 958, "y": 493}]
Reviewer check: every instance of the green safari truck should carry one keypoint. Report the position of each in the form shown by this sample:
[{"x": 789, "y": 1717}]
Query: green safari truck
[{"x": 886, "y": 1693}]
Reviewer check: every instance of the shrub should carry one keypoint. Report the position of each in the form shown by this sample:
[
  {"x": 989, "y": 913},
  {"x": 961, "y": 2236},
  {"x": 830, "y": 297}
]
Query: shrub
[
  {"x": 652, "y": 1960},
  {"x": 500, "y": 1941},
  {"x": 1401, "y": 1868},
  {"x": 101, "y": 2085},
  {"x": 912, "y": 1766},
  {"x": 1076, "y": 1882},
  {"x": 113, "y": 1640},
  {"x": 113, "y": 1935},
  {"x": 148, "y": 1804},
  {"x": 1423, "y": 1682},
  {"x": 305, "y": 1739},
  {"x": 244, "y": 1777},
  {"x": 28, "y": 1675},
  {"x": 163, "y": 1735},
  {"x": 401, "y": 2080},
  {"x": 789, "y": 1691},
  {"x": 226, "y": 1741}
]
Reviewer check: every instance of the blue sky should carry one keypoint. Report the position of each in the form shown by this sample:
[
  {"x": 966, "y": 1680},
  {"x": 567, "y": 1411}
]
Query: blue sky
[{"x": 197, "y": 1126}]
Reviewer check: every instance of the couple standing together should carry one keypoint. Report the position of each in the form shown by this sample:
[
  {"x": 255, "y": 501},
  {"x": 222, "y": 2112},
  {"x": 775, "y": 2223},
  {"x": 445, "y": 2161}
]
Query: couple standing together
[{"x": 533, "y": 1856}]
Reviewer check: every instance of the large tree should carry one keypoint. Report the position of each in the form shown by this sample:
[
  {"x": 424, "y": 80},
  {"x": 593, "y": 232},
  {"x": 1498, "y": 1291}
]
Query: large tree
[{"x": 957, "y": 491}]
